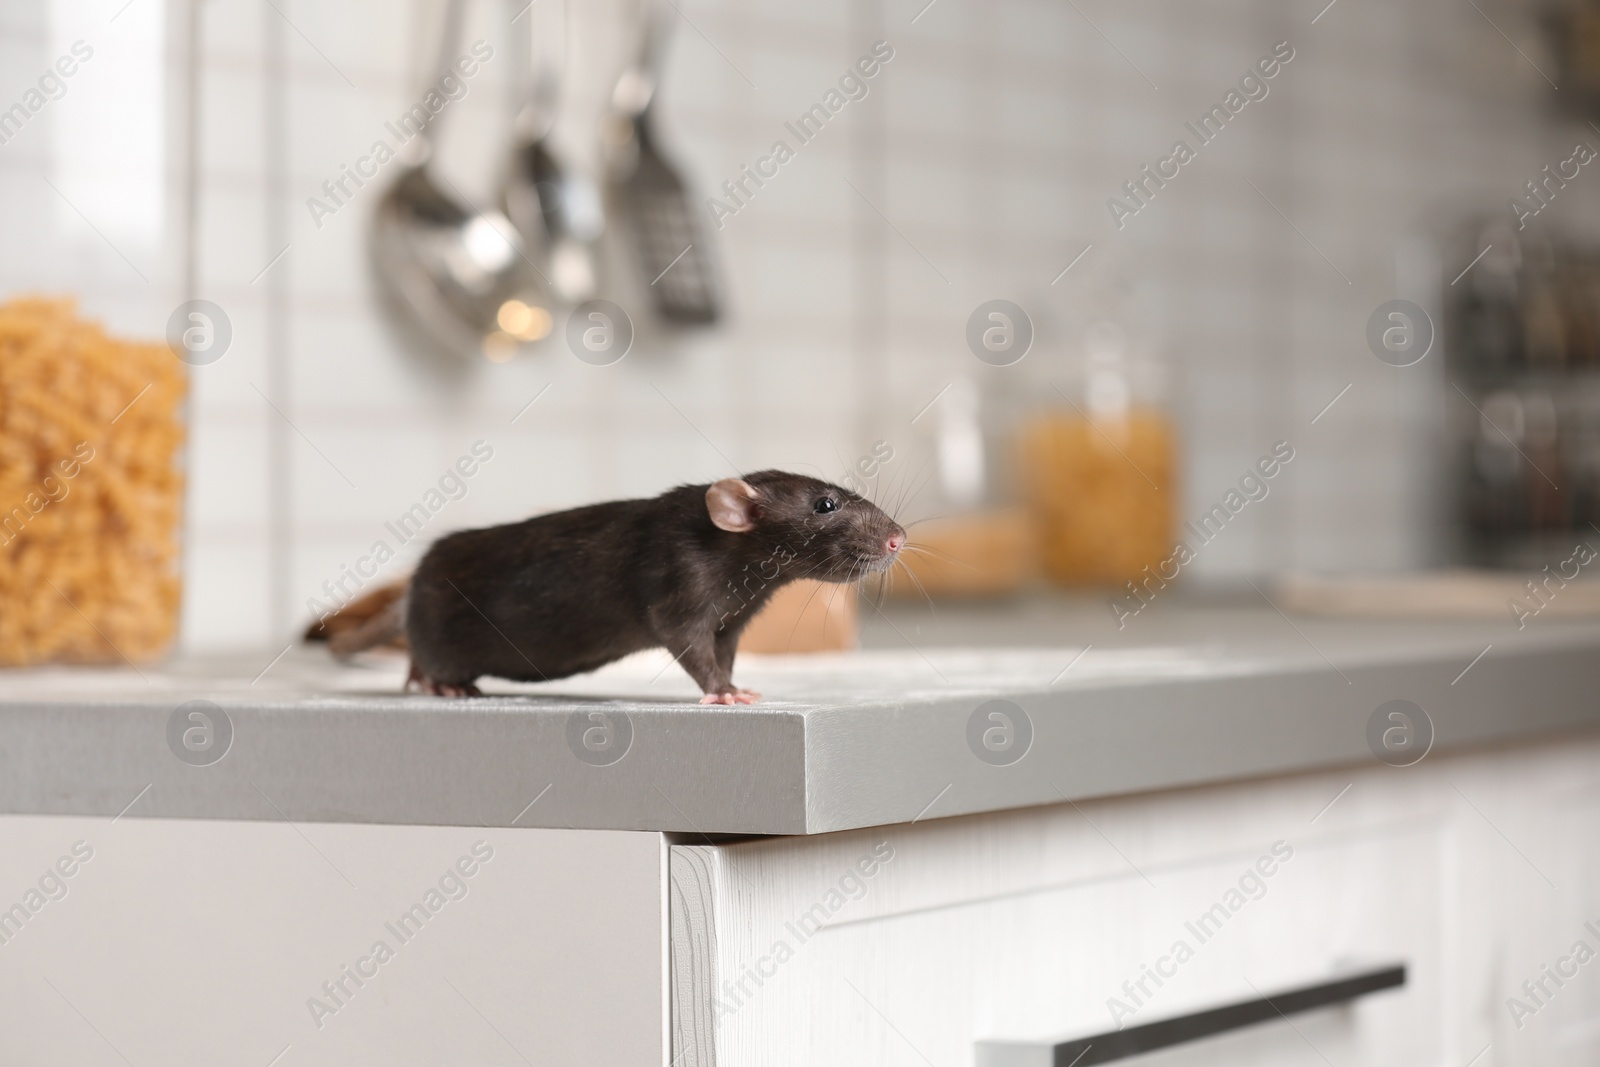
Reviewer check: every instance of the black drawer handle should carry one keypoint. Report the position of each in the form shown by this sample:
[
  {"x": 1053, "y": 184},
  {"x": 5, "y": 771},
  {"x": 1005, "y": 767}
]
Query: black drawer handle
[{"x": 1135, "y": 1040}]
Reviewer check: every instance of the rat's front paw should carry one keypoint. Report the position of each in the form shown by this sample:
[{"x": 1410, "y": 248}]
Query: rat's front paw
[{"x": 746, "y": 696}]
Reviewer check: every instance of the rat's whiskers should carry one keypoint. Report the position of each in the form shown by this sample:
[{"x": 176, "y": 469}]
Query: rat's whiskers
[
  {"x": 918, "y": 583},
  {"x": 936, "y": 554}
]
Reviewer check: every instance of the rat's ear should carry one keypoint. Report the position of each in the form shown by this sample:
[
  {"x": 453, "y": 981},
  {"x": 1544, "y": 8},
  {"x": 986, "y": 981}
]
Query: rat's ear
[{"x": 731, "y": 504}]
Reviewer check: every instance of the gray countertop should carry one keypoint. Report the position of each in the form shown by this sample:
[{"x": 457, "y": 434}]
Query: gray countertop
[{"x": 1188, "y": 694}]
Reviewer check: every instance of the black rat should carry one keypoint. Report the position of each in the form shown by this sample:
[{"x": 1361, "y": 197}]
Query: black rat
[{"x": 565, "y": 593}]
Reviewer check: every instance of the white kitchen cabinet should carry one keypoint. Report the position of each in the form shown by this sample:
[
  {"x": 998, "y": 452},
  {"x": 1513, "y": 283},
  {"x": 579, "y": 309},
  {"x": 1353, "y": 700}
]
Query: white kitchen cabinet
[
  {"x": 1025, "y": 925},
  {"x": 186, "y": 942},
  {"x": 1533, "y": 826}
]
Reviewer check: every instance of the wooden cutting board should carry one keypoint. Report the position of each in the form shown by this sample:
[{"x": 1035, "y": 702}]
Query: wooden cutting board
[{"x": 1441, "y": 594}]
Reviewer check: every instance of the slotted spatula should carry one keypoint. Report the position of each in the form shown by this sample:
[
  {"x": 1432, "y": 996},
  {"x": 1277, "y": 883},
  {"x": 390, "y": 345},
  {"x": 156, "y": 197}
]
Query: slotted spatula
[{"x": 669, "y": 237}]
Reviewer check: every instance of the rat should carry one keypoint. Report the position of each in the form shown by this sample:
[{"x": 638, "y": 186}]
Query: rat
[{"x": 569, "y": 592}]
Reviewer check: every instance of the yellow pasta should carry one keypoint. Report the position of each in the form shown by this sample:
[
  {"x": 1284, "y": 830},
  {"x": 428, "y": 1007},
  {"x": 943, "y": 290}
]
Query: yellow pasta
[
  {"x": 1103, "y": 493},
  {"x": 90, "y": 489}
]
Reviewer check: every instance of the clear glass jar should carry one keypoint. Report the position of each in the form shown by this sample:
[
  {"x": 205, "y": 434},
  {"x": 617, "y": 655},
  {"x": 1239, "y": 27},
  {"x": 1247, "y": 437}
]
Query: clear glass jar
[{"x": 1098, "y": 461}]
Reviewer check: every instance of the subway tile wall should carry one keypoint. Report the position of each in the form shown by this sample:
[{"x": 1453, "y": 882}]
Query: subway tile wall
[{"x": 978, "y": 166}]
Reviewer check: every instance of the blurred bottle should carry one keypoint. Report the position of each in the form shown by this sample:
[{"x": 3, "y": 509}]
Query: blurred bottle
[
  {"x": 1523, "y": 328},
  {"x": 1487, "y": 308},
  {"x": 1544, "y": 322},
  {"x": 1098, "y": 463}
]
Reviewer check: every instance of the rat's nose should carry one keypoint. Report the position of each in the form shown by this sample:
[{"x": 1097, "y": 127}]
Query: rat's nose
[{"x": 895, "y": 541}]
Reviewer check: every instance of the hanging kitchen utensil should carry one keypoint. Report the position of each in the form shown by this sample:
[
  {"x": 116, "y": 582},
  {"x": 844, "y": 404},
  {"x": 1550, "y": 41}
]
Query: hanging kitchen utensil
[
  {"x": 668, "y": 236},
  {"x": 555, "y": 209},
  {"x": 458, "y": 274}
]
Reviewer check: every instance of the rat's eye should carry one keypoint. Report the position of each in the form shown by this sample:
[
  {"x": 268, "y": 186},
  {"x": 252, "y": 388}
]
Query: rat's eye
[{"x": 825, "y": 505}]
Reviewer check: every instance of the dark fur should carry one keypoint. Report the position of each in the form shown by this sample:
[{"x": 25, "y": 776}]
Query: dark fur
[{"x": 562, "y": 594}]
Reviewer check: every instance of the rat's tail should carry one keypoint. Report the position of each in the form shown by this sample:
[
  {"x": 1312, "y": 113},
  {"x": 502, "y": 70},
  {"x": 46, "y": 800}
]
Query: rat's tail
[
  {"x": 385, "y": 628},
  {"x": 377, "y": 618}
]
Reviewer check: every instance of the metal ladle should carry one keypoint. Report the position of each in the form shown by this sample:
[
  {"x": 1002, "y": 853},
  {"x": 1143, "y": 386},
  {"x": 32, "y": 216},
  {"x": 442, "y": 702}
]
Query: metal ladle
[
  {"x": 458, "y": 274},
  {"x": 556, "y": 210}
]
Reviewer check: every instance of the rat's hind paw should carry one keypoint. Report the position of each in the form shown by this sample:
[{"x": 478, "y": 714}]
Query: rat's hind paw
[
  {"x": 420, "y": 682},
  {"x": 734, "y": 696}
]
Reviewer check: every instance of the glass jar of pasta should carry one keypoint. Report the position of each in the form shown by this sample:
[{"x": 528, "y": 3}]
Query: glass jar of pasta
[
  {"x": 91, "y": 489},
  {"x": 1098, "y": 462}
]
